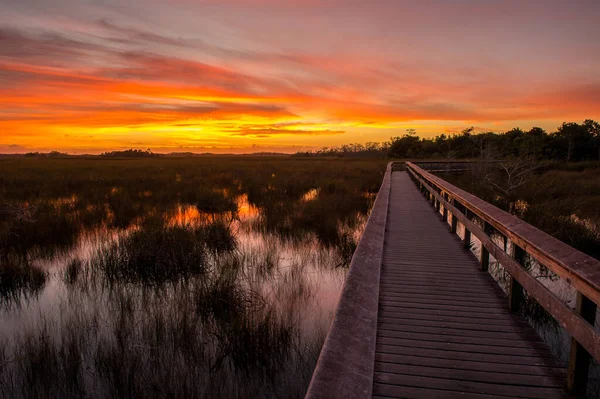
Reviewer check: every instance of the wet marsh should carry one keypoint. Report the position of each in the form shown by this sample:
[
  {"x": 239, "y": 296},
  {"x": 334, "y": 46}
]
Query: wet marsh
[{"x": 173, "y": 277}]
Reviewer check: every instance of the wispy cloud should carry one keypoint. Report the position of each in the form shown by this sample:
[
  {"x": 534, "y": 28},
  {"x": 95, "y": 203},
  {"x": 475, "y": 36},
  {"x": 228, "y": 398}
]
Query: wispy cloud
[{"x": 288, "y": 72}]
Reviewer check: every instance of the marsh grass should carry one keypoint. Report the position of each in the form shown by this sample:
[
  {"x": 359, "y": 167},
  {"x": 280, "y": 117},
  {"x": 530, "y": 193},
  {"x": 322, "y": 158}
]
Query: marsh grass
[
  {"x": 204, "y": 338},
  {"x": 212, "y": 201},
  {"x": 216, "y": 304},
  {"x": 561, "y": 199},
  {"x": 72, "y": 271},
  {"x": 152, "y": 256},
  {"x": 19, "y": 279},
  {"x": 47, "y": 203},
  {"x": 217, "y": 237},
  {"x": 39, "y": 230}
]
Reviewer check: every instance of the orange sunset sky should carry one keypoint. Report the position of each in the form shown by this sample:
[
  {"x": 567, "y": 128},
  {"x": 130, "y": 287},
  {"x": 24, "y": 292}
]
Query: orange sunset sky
[{"x": 87, "y": 76}]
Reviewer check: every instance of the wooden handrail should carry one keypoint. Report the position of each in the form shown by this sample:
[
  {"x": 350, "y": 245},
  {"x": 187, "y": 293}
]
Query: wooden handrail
[
  {"x": 581, "y": 271},
  {"x": 451, "y": 165}
]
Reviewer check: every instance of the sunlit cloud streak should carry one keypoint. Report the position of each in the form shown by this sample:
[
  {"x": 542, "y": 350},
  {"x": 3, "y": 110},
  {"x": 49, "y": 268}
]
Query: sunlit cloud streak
[{"x": 247, "y": 73}]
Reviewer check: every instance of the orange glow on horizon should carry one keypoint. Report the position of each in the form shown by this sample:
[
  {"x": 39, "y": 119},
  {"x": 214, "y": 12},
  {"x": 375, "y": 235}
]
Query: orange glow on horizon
[{"x": 89, "y": 80}]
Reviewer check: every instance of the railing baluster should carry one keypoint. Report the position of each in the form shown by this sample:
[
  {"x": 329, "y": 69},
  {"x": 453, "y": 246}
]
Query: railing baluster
[
  {"x": 579, "y": 359},
  {"x": 454, "y": 222},
  {"x": 485, "y": 254},
  {"x": 485, "y": 259},
  {"x": 467, "y": 239},
  {"x": 445, "y": 213},
  {"x": 515, "y": 290}
]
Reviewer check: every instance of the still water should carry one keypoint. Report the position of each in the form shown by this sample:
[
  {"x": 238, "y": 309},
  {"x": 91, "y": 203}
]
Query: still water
[{"x": 250, "y": 323}]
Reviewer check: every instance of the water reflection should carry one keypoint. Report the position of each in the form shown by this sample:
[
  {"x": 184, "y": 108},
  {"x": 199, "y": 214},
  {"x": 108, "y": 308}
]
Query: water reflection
[{"x": 198, "y": 298}]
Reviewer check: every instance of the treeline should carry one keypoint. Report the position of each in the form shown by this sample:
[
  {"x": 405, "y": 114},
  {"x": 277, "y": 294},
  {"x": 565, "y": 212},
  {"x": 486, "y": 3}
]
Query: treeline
[
  {"x": 369, "y": 149},
  {"x": 570, "y": 142},
  {"x": 51, "y": 154},
  {"x": 131, "y": 153}
]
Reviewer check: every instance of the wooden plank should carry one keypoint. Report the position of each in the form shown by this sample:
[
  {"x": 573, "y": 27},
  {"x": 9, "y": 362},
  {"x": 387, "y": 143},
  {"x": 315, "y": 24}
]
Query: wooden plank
[
  {"x": 395, "y": 391},
  {"x": 408, "y": 270},
  {"x": 450, "y": 316},
  {"x": 457, "y": 355},
  {"x": 579, "y": 328},
  {"x": 384, "y": 305},
  {"x": 479, "y": 314},
  {"x": 438, "y": 284},
  {"x": 580, "y": 270},
  {"x": 415, "y": 342},
  {"x": 467, "y": 311},
  {"x": 492, "y": 292},
  {"x": 515, "y": 378},
  {"x": 432, "y": 288},
  {"x": 444, "y": 327},
  {"x": 412, "y": 360},
  {"x": 455, "y": 281},
  {"x": 444, "y": 299},
  {"x": 452, "y": 276},
  {"x": 445, "y": 330},
  {"x": 398, "y": 301},
  {"x": 461, "y": 339},
  {"x": 513, "y": 391}
]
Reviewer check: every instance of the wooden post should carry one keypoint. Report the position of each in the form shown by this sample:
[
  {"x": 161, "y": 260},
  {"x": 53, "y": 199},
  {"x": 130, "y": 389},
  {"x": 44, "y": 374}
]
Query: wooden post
[
  {"x": 515, "y": 290},
  {"x": 579, "y": 359},
  {"x": 467, "y": 239},
  {"x": 445, "y": 214},
  {"x": 485, "y": 259},
  {"x": 485, "y": 255},
  {"x": 454, "y": 223}
]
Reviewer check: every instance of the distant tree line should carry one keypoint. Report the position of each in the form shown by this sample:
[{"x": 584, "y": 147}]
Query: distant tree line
[
  {"x": 370, "y": 149},
  {"x": 51, "y": 154},
  {"x": 570, "y": 142},
  {"x": 131, "y": 153}
]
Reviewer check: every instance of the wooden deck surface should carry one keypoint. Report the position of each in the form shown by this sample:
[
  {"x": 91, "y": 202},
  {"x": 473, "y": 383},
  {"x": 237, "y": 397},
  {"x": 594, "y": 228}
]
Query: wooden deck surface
[{"x": 444, "y": 328}]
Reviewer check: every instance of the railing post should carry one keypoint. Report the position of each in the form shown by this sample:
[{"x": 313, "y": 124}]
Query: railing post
[
  {"x": 485, "y": 254},
  {"x": 445, "y": 213},
  {"x": 485, "y": 259},
  {"x": 579, "y": 359},
  {"x": 454, "y": 223},
  {"x": 515, "y": 290},
  {"x": 467, "y": 239}
]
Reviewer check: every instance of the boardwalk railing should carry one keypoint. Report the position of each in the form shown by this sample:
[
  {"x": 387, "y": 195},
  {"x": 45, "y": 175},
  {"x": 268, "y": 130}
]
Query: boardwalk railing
[
  {"x": 582, "y": 272},
  {"x": 346, "y": 363},
  {"x": 443, "y": 166}
]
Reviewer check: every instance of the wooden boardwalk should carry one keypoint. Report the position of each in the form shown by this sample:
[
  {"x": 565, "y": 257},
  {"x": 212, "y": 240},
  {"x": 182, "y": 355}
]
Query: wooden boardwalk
[
  {"x": 421, "y": 317},
  {"x": 444, "y": 329}
]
